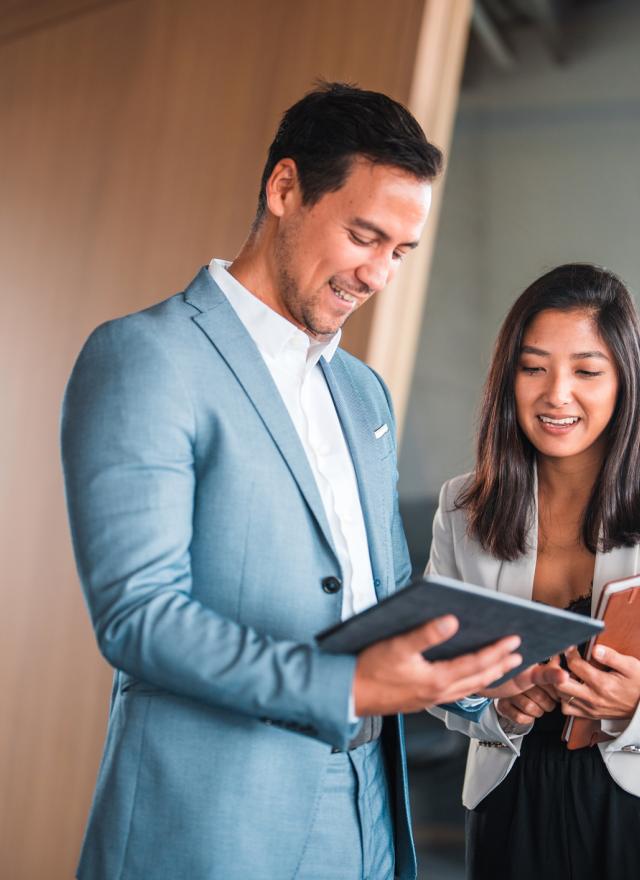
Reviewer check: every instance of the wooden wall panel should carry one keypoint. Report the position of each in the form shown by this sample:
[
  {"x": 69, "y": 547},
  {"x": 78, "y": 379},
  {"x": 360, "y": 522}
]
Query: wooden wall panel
[
  {"x": 396, "y": 313},
  {"x": 20, "y": 17},
  {"x": 132, "y": 140}
]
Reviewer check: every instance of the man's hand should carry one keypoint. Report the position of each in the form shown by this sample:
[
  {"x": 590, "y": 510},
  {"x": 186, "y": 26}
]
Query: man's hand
[
  {"x": 392, "y": 676},
  {"x": 543, "y": 675}
]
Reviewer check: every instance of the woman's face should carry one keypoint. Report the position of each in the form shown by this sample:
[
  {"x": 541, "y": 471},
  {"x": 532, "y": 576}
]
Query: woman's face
[{"x": 566, "y": 384}]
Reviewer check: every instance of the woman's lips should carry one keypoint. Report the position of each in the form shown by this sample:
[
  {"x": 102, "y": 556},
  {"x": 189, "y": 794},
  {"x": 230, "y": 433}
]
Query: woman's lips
[{"x": 558, "y": 426}]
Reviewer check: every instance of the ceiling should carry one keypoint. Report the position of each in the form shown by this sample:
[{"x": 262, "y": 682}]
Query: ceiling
[{"x": 494, "y": 23}]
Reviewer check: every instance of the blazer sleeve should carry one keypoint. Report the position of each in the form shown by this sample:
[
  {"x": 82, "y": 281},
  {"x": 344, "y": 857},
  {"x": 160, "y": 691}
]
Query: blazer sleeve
[
  {"x": 128, "y": 430},
  {"x": 442, "y": 560}
]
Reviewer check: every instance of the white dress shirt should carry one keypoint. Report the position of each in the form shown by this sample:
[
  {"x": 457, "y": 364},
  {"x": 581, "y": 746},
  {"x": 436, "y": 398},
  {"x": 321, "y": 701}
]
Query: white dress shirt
[{"x": 293, "y": 361}]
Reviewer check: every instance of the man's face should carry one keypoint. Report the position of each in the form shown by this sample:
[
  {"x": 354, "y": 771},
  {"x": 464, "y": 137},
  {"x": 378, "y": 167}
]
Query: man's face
[{"x": 329, "y": 258}]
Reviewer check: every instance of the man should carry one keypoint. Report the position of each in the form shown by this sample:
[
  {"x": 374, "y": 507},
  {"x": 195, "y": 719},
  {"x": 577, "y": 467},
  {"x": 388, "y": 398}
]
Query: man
[{"x": 230, "y": 476}]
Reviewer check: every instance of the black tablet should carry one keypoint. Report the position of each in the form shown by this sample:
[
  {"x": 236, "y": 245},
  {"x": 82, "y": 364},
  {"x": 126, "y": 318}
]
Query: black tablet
[{"x": 484, "y": 615}]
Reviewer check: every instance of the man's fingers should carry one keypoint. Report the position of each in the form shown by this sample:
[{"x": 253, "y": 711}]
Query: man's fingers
[
  {"x": 523, "y": 681},
  {"x": 458, "y": 677},
  {"x": 498, "y": 656},
  {"x": 432, "y": 633},
  {"x": 477, "y": 682}
]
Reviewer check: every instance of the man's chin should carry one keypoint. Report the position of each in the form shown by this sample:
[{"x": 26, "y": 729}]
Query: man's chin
[
  {"x": 322, "y": 334},
  {"x": 322, "y": 329}
]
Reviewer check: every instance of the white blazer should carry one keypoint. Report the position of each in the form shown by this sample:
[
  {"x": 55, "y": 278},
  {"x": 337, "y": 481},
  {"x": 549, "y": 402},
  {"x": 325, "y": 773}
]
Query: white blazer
[{"x": 492, "y": 752}]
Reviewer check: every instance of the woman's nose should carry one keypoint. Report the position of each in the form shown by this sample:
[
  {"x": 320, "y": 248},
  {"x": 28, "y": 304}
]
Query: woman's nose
[{"x": 559, "y": 391}]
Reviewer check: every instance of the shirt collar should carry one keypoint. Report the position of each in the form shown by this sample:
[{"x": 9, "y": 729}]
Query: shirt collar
[{"x": 272, "y": 333}]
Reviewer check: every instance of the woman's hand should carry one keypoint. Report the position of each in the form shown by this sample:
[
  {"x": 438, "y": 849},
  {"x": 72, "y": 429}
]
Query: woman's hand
[
  {"x": 599, "y": 694},
  {"x": 524, "y": 708}
]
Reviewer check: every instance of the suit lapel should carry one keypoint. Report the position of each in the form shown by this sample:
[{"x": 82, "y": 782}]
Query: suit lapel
[
  {"x": 517, "y": 577},
  {"x": 619, "y": 563},
  {"x": 226, "y": 331},
  {"x": 358, "y": 431}
]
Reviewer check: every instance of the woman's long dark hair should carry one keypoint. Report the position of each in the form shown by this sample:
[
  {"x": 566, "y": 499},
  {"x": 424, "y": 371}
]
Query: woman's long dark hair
[{"x": 499, "y": 501}]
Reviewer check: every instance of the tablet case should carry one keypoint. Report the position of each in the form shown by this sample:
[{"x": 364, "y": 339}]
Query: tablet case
[{"x": 484, "y": 617}]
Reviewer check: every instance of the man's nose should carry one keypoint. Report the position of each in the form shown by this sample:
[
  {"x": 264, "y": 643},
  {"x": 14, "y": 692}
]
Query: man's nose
[{"x": 376, "y": 272}]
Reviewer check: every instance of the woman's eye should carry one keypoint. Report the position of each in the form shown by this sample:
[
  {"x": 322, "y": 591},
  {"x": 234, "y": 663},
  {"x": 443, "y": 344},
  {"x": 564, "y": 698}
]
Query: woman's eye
[
  {"x": 531, "y": 371},
  {"x": 590, "y": 373}
]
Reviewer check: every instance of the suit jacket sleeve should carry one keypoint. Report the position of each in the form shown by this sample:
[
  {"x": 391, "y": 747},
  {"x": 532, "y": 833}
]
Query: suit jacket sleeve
[
  {"x": 442, "y": 560},
  {"x": 127, "y": 447}
]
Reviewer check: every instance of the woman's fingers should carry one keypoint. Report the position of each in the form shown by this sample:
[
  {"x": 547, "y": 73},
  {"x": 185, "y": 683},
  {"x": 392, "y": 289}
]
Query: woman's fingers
[
  {"x": 578, "y": 708},
  {"x": 508, "y": 708},
  {"x": 525, "y": 708},
  {"x": 622, "y": 663},
  {"x": 542, "y": 698}
]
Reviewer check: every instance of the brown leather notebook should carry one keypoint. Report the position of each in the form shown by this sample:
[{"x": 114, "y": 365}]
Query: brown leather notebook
[{"x": 619, "y": 608}]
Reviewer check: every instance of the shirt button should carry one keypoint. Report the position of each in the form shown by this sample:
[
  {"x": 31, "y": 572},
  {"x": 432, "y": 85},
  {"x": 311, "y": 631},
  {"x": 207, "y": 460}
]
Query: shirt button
[
  {"x": 376, "y": 582},
  {"x": 331, "y": 584}
]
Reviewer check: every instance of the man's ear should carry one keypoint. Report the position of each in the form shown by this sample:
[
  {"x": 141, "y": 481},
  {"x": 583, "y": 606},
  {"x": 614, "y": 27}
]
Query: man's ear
[{"x": 283, "y": 188}]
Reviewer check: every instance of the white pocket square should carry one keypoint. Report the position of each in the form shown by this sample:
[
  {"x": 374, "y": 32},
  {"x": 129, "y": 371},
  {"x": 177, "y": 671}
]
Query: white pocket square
[{"x": 381, "y": 431}]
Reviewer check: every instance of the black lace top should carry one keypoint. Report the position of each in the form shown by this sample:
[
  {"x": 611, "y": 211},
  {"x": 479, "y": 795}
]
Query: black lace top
[{"x": 553, "y": 722}]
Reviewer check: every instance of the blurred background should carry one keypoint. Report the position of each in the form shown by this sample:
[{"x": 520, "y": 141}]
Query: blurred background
[
  {"x": 543, "y": 169},
  {"x": 132, "y": 136}
]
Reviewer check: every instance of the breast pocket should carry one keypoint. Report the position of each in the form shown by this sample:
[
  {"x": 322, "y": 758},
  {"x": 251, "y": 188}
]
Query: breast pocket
[{"x": 384, "y": 441}]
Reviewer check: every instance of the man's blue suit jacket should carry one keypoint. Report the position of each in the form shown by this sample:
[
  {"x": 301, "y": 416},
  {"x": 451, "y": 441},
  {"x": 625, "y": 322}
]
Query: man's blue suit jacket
[{"x": 202, "y": 544}]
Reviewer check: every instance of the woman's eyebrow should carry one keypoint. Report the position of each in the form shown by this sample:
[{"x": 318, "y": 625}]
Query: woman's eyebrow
[
  {"x": 579, "y": 355},
  {"x": 530, "y": 349}
]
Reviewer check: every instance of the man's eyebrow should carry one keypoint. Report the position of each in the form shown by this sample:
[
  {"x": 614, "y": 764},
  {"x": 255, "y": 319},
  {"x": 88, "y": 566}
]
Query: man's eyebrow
[
  {"x": 361, "y": 223},
  {"x": 578, "y": 356}
]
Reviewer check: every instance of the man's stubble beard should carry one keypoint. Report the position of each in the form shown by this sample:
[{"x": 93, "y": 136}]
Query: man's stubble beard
[{"x": 303, "y": 310}]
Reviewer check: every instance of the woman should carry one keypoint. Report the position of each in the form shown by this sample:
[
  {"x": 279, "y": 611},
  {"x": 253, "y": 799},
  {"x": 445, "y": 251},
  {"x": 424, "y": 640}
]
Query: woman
[{"x": 552, "y": 512}]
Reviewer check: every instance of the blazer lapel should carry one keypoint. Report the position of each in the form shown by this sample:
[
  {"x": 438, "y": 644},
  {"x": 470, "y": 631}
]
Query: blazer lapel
[
  {"x": 619, "y": 563},
  {"x": 517, "y": 577},
  {"x": 226, "y": 331},
  {"x": 358, "y": 431}
]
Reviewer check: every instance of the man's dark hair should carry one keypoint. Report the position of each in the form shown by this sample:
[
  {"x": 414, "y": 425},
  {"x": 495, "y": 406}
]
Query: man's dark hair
[
  {"x": 500, "y": 498},
  {"x": 334, "y": 123}
]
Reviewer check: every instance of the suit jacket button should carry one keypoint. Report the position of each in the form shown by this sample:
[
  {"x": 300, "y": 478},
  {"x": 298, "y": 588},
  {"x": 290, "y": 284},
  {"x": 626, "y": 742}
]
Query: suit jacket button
[{"x": 331, "y": 584}]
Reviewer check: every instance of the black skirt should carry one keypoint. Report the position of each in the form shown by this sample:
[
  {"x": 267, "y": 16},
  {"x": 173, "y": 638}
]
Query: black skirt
[{"x": 558, "y": 815}]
